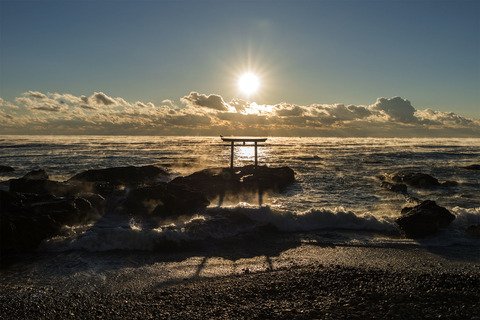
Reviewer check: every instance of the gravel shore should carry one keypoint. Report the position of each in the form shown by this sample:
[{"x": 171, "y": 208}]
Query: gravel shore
[
  {"x": 307, "y": 292},
  {"x": 329, "y": 283}
]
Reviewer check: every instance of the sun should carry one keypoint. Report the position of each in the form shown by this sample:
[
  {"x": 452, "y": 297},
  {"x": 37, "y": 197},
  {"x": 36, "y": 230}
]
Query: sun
[{"x": 248, "y": 83}]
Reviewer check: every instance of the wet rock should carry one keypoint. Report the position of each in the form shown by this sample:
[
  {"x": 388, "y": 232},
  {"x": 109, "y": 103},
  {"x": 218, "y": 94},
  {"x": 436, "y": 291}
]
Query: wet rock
[
  {"x": 218, "y": 181},
  {"x": 127, "y": 176},
  {"x": 6, "y": 169},
  {"x": 473, "y": 167},
  {"x": 424, "y": 219},
  {"x": 474, "y": 230},
  {"x": 36, "y": 175},
  {"x": 395, "y": 187},
  {"x": 415, "y": 179},
  {"x": 165, "y": 200},
  {"x": 97, "y": 201},
  {"x": 27, "y": 219}
]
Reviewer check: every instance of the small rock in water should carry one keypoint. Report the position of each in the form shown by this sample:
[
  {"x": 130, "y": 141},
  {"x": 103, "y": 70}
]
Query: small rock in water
[
  {"x": 6, "y": 169},
  {"x": 473, "y": 167},
  {"x": 395, "y": 187},
  {"x": 415, "y": 179}
]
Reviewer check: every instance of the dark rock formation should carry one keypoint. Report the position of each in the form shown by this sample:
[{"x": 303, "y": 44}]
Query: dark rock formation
[
  {"x": 6, "y": 169},
  {"x": 474, "y": 230},
  {"x": 27, "y": 219},
  {"x": 218, "y": 181},
  {"x": 395, "y": 187},
  {"x": 127, "y": 176},
  {"x": 39, "y": 174},
  {"x": 165, "y": 200},
  {"x": 415, "y": 179},
  {"x": 473, "y": 167},
  {"x": 424, "y": 219},
  {"x": 56, "y": 188}
]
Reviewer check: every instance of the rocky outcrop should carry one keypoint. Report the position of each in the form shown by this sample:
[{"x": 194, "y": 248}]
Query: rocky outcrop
[
  {"x": 39, "y": 174},
  {"x": 424, "y": 219},
  {"x": 165, "y": 201},
  {"x": 38, "y": 182},
  {"x": 218, "y": 181},
  {"x": 27, "y": 219},
  {"x": 127, "y": 176}
]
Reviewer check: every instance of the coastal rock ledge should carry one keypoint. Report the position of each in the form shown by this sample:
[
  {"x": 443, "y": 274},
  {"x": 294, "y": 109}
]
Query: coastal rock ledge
[
  {"x": 219, "y": 181},
  {"x": 424, "y": 219}
]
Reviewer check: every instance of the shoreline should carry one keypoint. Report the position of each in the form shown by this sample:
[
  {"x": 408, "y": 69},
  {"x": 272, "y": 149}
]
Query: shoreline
[{"x": 307, "y": 281}]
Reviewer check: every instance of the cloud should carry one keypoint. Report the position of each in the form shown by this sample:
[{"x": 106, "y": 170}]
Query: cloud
[
  {"x": 200, "y": 114},
  {"x": 397, "y": 108},
  {"x": 35, "y": 94},
  {"x": 212, "y": 101},
  {"x": 102, "y": 98}
]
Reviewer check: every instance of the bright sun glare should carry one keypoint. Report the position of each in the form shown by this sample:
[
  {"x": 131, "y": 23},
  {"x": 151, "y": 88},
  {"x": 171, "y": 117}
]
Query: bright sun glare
[{"x": 248, "y": 83}]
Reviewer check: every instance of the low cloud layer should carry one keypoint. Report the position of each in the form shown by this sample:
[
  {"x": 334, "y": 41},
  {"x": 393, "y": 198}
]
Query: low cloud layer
[{"x": 200, "y": 114}]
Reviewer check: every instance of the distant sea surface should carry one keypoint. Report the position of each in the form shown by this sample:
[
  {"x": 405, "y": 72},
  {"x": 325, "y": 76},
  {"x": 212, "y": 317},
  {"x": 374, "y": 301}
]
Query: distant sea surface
[{"x": 336, "y": 198}]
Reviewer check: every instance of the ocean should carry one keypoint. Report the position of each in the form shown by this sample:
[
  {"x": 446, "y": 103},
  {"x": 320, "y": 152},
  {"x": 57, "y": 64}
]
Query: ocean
[{"x": 336, "y": 199}]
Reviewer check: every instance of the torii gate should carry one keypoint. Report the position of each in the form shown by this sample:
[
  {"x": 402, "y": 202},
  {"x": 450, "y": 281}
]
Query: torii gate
[{"x": 244, "y": 140}]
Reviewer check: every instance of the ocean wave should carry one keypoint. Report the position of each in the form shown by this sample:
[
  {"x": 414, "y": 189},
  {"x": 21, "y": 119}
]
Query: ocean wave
[{"x": 216, "y": 224}]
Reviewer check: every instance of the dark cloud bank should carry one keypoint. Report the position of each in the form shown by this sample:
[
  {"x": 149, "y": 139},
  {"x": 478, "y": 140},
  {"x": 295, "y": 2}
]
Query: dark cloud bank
[{"x": 199, "y": 114}]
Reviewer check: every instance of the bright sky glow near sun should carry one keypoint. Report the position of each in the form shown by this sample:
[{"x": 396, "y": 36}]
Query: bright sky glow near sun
[{"x": 328, "y": 68}]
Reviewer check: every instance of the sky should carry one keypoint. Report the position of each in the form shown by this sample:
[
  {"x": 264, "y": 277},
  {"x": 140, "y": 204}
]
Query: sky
[{"x": 325, "y": 68}]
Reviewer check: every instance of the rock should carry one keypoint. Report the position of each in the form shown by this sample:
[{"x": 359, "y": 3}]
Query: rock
[
  {"x": 42, "y": 186},
  {"x": 424, "y": 219},
  {"x": 472, "y": 167},
  {"x": 6, "y": 169},
  {"x": 128, "y": 176},
  {"x": 449, "y": 183},
  {"x": 165, "y": 200},
  {"x": 395, "y": 187},
  {"x": 218, "y": 181},
  {"x": 27, "y": 219},
  {"x": 415, "y": 179},
  {"x": 97, "y": 201},
  {"x": 36, "y": 175},
  {"x": 474, "y": 230}
]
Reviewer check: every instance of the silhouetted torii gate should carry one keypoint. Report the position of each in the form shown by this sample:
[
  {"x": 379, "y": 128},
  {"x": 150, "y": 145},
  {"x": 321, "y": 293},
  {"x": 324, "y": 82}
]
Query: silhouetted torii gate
[{"x": 244, "y": 140}]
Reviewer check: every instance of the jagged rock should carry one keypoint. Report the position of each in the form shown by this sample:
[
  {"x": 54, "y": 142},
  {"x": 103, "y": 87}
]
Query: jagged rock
[
  {"x": 97, "y": 201},
  {"x": 6, "y": 169},
  {"x": 395, "y": 187},
  {"x": 39, "y": 174},
  {"x": 27, "y": 219},
  {"x": 165, "y": 200},
  {"x": 415, "y": 179},
  {"x": 218, "y": 181},
  {"x": 474, "y": 230},
  {"x": 424, "y": 219},
  {"x": 473, "y": 167},
  {"x": 127, "y": 176}
]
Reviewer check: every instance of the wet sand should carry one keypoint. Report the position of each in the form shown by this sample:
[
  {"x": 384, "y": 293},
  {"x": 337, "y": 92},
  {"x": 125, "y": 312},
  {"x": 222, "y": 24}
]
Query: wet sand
[{"x": 305, "y": 281}]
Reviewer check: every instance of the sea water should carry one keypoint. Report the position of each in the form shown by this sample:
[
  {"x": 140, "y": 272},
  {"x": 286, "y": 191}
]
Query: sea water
[{"x": 336, "y": 198}]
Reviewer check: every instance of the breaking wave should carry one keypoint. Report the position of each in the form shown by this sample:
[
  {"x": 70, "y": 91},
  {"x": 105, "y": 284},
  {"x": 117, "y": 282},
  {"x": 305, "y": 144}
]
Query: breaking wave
[{"x": 215, "y": 224}]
